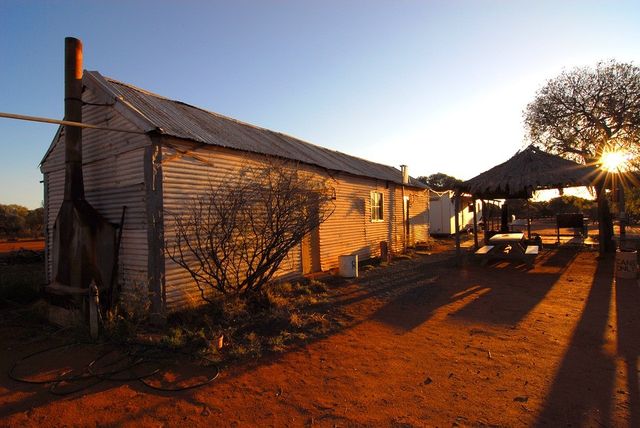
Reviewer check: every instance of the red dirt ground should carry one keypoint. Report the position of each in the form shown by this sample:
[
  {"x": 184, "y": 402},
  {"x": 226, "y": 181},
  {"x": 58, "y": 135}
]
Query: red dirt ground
[
  {"x": 34, "y": 245},
  {"x": 429, "y": 344}
]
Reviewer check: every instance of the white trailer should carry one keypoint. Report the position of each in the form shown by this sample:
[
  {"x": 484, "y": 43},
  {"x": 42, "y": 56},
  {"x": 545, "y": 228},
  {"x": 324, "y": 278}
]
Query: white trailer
[{"x": 441, "y": 213}]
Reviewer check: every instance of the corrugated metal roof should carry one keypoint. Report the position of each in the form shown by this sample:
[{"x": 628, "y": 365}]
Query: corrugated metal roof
[{"x": 180, "y": 120}]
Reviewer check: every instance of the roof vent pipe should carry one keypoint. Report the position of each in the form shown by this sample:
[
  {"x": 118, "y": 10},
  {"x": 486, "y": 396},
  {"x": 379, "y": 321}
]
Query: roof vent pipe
[{"x": 405, "y": 174}]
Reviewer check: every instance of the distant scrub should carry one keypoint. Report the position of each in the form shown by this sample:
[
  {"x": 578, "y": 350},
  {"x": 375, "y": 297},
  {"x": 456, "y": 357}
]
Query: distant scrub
[{"x": 17, "y": 221}]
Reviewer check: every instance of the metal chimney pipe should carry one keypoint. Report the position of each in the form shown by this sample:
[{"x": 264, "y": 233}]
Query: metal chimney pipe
[
  {"x": 73, "y": 184},
  {"x": 405, "y": 174}
]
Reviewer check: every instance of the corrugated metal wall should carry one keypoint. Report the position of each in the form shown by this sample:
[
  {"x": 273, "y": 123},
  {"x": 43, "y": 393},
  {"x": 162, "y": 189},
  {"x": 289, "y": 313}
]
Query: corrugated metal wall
[
  {"x": 113, "y": 177},
  {"x": 189, "y": 170},
  {"x": 186, "y": 174},
  {"x": 350, "y": 230},
  {"x": 418, "y": 215}
]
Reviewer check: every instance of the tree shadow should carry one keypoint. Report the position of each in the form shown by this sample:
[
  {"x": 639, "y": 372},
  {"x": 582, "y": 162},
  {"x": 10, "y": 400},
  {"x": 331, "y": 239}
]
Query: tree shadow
[
  {"x": 581, "y": 393},
  {"x": 628, "y": 335}
]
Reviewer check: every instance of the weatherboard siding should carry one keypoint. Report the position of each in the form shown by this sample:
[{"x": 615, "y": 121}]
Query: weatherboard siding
[{"x": 113, "y": 177}]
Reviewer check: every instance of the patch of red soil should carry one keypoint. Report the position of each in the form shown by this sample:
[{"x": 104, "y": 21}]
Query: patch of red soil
[
  {"x": 33, "y": 245},
  {"x": 427, "y": 344}
]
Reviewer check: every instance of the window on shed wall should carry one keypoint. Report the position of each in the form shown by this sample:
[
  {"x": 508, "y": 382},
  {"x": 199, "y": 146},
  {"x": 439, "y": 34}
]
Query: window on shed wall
[{"x": 376, "y": 206}]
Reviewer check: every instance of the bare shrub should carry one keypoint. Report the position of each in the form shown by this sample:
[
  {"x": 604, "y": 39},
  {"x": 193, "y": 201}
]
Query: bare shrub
[{"x": 233, "y": 238}]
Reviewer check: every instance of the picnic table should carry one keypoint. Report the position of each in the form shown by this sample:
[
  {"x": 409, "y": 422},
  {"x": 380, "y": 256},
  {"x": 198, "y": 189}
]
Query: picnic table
[{"x": 509, "y": 246}]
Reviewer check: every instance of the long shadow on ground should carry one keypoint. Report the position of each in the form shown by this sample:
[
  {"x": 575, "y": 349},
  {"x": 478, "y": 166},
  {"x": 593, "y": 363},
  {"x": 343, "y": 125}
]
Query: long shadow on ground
[
  {"x": 504, "y": 298},
  {"x": 628, "y": 329},
  {"x": 378, "y": 284},
  {"x": 581, "y": 393}
]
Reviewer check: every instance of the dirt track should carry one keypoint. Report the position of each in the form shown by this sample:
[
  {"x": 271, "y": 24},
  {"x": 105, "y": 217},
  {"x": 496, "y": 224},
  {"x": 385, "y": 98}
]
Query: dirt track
[{"x": 428, "y": 345}]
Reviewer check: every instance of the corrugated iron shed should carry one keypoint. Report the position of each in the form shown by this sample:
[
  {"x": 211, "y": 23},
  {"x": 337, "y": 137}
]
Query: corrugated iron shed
[{"x": 177, "y": 119}]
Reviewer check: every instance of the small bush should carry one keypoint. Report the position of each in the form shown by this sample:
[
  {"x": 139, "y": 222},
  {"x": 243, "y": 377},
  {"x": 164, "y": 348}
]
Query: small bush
[
  {"x": 282, "y": 288},
  {"x": 296, "y": 320},
  {"x": 274, "y": 320},
  {"x": 248, "y": 346},
  {"x": 317, "y": 286},
  {"x": 130, "y": 314}
]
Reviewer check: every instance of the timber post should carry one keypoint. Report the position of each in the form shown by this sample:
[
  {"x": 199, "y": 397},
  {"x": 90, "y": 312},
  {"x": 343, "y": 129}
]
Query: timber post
[
  {"x": 155, "y": 228},
  {"x": 456, "y": 210}
]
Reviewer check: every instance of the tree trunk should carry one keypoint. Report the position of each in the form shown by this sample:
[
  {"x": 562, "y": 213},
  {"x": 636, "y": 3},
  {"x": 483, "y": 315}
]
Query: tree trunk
[
  {"x": 605, "y": 223},
  {"x": 622, "y": 214}
]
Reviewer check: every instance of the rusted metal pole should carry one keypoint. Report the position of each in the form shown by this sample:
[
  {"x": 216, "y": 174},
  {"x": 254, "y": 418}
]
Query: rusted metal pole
[{"x": 73, "y": 186}]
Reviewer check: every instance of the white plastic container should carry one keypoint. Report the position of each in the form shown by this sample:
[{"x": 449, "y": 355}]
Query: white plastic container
[
  {"x": 626, "y": 264},
  {"x": 348, "y": 266}
]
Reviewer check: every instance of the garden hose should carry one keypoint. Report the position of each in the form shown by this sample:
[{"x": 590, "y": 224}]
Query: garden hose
[{"x": 59, "y": 385}]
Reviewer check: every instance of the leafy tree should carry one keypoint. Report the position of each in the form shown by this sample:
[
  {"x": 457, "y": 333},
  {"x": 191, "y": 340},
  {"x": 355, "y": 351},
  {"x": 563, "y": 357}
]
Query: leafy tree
[
  {"x": 233, "y": 237},
  {"x": 12, "y": 220},
  {"x": 18, "y": 221},
  {"x": 585, "y": 111},
  {"x": 34, "y": 222},
  {"x": 562, "y": 204},
  {"x": 571, "y": 204},
  {"x": 633, "y": 204},
  {"x": 440, "y": 181}
]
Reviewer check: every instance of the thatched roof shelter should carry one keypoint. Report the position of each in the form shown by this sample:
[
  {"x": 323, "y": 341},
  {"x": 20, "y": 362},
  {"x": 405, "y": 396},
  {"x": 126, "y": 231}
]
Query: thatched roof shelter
[{"x": 529, "y": 170}]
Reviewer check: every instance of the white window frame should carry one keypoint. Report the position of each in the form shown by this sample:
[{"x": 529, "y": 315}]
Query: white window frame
[{"x": 376, "y": 210}]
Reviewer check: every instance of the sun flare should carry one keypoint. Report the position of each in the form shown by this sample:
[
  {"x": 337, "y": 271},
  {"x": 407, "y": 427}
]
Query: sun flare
[{"x": 614, "y": 161}]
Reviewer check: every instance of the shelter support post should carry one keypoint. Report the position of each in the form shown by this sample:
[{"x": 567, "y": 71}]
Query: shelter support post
[
  {"x": 504, "y": 218},
  {"x": 456, "y": 210},
  {"x": 528, "y": 219},
  {"x": 475, "y": 225},
  {"x": 485, "y": 223}
]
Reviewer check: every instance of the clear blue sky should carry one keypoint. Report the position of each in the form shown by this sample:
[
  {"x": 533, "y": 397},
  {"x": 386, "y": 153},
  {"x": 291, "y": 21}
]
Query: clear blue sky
[{"x": 439, "y": 86}]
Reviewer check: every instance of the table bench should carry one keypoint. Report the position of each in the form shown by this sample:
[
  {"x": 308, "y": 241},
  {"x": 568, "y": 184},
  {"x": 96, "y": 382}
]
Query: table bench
[{"x": 508, "y": 246}]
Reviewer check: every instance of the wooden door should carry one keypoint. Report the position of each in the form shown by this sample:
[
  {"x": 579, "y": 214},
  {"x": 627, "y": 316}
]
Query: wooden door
[{"x": 311, "y": 252}]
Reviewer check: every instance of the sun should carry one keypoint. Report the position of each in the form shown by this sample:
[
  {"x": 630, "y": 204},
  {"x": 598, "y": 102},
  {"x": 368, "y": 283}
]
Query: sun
[{"x": 614, "y": 161}]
